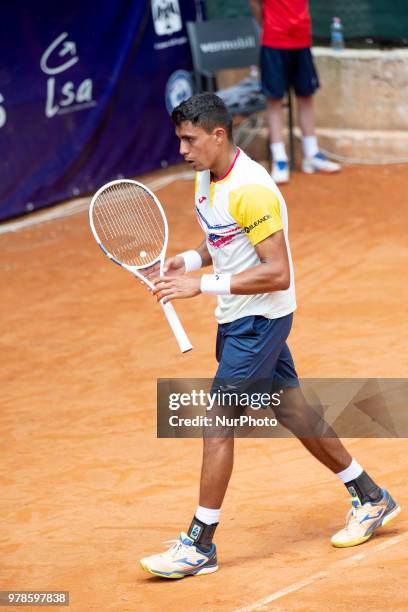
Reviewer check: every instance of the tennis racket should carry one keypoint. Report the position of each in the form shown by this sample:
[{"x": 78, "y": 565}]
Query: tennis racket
[{"x": 129, "y": 224}]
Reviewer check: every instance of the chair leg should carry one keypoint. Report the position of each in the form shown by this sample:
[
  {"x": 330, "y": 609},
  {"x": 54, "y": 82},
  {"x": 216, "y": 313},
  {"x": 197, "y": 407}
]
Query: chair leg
[{"x": 291, "y": 135}]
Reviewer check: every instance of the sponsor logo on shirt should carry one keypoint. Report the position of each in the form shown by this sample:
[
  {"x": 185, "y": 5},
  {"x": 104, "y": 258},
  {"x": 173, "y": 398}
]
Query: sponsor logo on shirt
[
  {"x": 201, "y": 199},
  {"x": 253, "y": 225}
]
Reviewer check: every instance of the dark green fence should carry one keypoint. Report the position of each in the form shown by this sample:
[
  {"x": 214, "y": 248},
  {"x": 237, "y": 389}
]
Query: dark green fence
[
  {"x": 383, "y": 22},
  {"x": 224, "y": 9}
]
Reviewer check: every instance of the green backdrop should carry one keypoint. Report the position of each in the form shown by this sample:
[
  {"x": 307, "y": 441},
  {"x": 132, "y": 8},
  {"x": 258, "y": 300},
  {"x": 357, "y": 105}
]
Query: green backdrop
[
  {"x": 380, "y": 20},
  {"x": 384, "y": 21},
  {"x": 223, "y": 9}
]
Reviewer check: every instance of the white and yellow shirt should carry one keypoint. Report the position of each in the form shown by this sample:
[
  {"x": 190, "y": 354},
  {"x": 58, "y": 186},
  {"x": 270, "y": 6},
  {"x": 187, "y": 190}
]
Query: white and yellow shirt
[{"x": 236, "y": 212}]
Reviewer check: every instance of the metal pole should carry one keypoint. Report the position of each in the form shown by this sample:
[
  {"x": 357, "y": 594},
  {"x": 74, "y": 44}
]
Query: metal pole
[{"x": 291, "y": 135}]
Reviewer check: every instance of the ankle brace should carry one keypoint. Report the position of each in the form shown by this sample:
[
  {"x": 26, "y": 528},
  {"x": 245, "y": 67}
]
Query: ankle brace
[
  {"x": 201, "y": 533},
  {"x": 364, "y": 488}
]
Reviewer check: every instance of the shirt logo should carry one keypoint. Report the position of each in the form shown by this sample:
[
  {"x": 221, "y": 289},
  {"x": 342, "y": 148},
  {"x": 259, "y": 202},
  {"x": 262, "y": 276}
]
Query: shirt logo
[
  {"x": 201, "y": 199},
  {"x": 249, "y": 228}
]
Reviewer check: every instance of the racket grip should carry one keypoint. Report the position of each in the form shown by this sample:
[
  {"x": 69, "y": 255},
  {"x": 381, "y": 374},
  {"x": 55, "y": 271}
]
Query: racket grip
[{"x": 178, "y": 330}]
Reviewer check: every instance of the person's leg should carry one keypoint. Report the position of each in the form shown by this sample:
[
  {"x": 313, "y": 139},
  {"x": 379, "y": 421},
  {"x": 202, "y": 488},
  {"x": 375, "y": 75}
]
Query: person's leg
[
  {"x": 306, "y": 115},
  {"x": 242, "y": 348},
  {"x": 375, "y": 505},
  {"x": 321, "y": 441},
  {"x": 274, "y": 64},
  {"x": 274, "y": 116},
  {"x": 216, "y": 469},
  {"x": 275, "y": 119},
  {"x": 307, "y": 425},
  {"x": 306, "y": 119},
  {"x": 218, "y": 454},
  {"x": 305, "y": 82},
  {"x": 309, "y": 140},
  {"x": 194, "y": 553}
]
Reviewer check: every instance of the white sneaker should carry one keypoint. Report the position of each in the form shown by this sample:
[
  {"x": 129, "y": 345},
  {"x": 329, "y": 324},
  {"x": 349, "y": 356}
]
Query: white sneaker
[
  {"x": 362, "y": 521},
  {"x": 319, "y": 163},
  {"x": 181, "y": 559},
  {"x": 280, "y": 172}
]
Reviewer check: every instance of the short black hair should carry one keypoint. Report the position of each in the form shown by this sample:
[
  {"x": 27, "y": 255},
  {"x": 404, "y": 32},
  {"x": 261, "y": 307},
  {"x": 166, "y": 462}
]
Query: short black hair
[{"x": 206, "y": 110}]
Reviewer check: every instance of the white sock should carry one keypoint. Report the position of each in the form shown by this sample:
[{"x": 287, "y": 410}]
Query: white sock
[
  {"x": 353, "y": 471},
  {"x": 310, "y": 147},
  {"x": 278, "y": 151},
  {"x": 208, "y": 515}
]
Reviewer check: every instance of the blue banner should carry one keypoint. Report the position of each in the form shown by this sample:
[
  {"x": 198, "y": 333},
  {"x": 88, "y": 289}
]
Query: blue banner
[{"x": 85, "y": 94}]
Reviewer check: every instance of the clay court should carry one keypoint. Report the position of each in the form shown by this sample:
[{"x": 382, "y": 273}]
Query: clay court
[{"x": 87, "y": 488}]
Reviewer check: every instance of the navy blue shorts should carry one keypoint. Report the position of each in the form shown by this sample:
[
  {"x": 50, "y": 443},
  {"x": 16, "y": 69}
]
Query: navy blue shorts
[
  {"x": 254, "y": 349},
  {"x": 282, "y": 69}
]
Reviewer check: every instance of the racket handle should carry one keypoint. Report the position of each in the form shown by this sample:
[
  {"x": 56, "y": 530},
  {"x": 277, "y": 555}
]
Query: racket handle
[{"x": 178, "y": 330}]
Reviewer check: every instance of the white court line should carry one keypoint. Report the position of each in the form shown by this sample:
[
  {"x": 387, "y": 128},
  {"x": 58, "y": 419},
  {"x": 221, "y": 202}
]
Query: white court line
[
  {"x": 79, "y": 205},
  {"x": 262, "y": 604}
]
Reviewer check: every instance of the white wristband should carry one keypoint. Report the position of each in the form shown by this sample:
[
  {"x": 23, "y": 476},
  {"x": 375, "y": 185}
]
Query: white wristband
[
  {"x": 192, "y": 260},
  {"x": 216, "y": 284}
]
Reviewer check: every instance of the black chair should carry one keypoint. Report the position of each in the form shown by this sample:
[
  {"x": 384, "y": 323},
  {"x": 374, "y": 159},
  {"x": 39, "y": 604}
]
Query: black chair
[{"x": 220, "y": 44}]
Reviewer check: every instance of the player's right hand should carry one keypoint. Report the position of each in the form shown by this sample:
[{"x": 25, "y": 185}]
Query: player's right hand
[{"x": 173, "y": 266}]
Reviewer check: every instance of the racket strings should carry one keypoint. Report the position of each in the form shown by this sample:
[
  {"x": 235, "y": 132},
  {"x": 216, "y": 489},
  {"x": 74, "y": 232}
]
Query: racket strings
[{"x": 129, "y": 224}]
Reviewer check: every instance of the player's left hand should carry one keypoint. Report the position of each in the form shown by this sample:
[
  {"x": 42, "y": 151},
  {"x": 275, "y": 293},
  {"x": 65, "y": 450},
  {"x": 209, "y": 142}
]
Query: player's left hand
[{"x": 170, "y": 288}]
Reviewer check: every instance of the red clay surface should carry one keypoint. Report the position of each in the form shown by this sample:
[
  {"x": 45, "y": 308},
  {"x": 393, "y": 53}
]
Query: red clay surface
[{"x": 87, "y": 489}]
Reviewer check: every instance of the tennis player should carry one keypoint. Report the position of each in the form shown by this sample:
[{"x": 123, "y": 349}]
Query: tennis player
[{"x": 244, "y": 219}]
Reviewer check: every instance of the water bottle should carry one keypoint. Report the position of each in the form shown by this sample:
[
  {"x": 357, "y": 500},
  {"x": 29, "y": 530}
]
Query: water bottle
[
  {"x": 337, "y": 38},
  {"x": 254, "y": 72}
]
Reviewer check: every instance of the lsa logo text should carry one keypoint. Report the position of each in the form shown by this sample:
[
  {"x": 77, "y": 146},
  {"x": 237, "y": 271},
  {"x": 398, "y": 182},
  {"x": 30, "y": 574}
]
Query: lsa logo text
[
  {"x": 64, "y": 97},
  {"x": 166, "y": 17}
]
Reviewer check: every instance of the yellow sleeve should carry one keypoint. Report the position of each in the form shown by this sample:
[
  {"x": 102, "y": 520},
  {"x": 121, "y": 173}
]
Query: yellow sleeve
[{"x": 257, "y": 210}]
